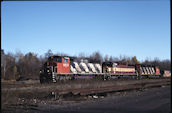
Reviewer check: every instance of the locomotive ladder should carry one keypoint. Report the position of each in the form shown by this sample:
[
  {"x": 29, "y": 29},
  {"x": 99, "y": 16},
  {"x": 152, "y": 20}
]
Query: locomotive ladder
[{"x": 53, "y": 77}]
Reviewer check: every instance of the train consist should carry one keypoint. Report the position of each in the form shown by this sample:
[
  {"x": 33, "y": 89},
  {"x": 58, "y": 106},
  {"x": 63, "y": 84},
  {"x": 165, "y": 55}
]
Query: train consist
[{"x": 62, "y": 67}]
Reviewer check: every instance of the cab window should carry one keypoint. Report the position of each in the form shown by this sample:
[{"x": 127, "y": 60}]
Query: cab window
[
  {"x": 59, "y": 59},
  {"x": 65, "y": 60}
]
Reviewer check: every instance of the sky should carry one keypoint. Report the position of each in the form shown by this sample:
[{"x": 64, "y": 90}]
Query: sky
[{"x": 131, "y": 28}]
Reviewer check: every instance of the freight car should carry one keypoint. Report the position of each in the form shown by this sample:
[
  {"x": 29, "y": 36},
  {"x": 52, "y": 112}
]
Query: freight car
[
  {"x": 166, "y": 73},
  {"x": 63, "y": 67}
]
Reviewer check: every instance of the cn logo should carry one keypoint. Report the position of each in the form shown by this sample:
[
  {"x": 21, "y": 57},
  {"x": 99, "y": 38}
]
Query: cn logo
[{"x": 65, "y": 65}]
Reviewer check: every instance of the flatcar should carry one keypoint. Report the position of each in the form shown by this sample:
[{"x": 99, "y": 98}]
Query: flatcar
[{"x": 64, "y": 67}]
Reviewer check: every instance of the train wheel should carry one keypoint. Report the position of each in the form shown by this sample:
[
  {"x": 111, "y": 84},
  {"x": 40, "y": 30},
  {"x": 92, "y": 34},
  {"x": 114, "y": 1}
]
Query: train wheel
[
  {"x": 73, "y": 78},
  {"x": 108, "y": 78},
  {"x": 42, "y": 79}
]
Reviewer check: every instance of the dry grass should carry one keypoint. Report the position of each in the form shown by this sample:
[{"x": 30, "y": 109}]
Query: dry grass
[{"x": 12, "y": 90}]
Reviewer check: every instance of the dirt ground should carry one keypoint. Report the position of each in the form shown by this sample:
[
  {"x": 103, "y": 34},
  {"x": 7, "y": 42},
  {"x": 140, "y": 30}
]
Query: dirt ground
[{"x": 31, "y": 96}]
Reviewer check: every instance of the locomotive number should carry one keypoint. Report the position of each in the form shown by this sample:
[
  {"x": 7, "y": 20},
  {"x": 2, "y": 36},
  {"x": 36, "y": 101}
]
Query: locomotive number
[{"x": 65, "y": 65}]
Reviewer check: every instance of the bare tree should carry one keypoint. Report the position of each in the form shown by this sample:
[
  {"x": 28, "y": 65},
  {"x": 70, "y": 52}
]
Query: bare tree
[
  {"x": 106, "y": 58},
  {"x": 111, "y": 59},
  {"x": 48, "y": 53},
  {"x": 96, "y": 57},
  {"x": 134, "y": 60},
  {"x": 8, "y": 66},
  {"x": 115, "y": 59},
  {"x": 163, "y": 64},
  {"x": 29, "y": 65},
  {"x": 82, "y": 55}
]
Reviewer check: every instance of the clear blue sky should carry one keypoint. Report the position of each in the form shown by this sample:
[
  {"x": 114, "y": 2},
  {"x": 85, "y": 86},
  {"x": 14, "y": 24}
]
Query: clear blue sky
[{"x": 140, "y": 28}]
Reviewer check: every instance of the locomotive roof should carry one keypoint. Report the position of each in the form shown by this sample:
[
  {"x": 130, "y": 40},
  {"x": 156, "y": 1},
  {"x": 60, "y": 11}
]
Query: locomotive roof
[
  {"x": 71, "y": 57},
  {"x": 64, "y": 56}
]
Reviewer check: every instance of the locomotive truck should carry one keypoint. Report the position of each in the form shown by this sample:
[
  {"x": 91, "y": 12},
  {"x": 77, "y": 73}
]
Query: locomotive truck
[{"x": 64, "y": 67}]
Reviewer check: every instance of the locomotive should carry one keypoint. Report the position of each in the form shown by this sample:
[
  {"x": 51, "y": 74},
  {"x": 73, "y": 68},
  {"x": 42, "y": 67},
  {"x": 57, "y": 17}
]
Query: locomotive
[{"x": 64, "y": 67}]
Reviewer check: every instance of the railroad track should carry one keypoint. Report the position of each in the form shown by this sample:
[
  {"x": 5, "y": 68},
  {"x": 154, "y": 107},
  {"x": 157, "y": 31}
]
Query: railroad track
[
  {"x": 109, "y": 89},
  {"x": 57, "y": 92}
]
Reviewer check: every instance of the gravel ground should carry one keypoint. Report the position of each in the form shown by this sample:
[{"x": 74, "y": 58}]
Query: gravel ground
[{"x": 153, "y": 100}]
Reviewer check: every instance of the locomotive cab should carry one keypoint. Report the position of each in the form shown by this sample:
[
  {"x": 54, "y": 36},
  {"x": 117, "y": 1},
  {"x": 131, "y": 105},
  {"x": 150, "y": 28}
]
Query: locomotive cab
[
  {"x": 55, "y": 65},
  {"x": 46, "y": 73}
]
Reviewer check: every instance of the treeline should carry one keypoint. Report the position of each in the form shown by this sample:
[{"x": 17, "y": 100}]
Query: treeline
[{"x": 28, "y": 65}]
